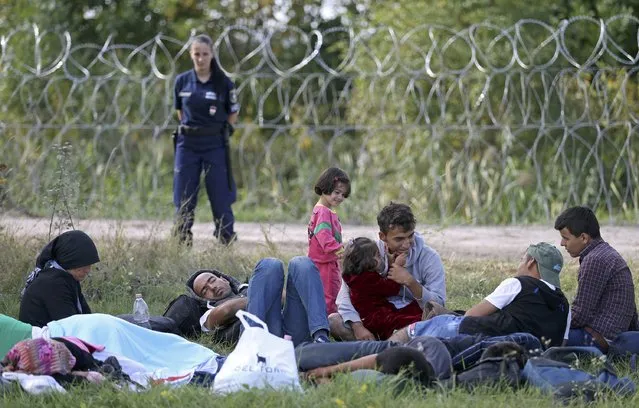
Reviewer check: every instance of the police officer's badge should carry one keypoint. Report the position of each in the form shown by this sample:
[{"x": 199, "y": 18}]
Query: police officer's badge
[
  {"x": 212, "y": 110},
  {"x": 233, "y": 96}
]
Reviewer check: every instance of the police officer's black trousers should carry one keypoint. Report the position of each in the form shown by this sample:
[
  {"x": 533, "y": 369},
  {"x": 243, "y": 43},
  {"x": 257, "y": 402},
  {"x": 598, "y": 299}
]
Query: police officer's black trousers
[{"x": 189, "y": 165}]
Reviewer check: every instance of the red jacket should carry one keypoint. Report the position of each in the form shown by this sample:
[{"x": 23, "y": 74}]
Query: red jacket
[{"x": 369, "y": 291}]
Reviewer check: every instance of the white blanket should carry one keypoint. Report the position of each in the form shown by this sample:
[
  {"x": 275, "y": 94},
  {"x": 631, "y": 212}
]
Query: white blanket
[{"x": 142, "y": 353}]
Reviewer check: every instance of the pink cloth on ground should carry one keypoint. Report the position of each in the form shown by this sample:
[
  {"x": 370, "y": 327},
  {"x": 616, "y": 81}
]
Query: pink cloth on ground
[
  {"x": 39, "y": 357},
  {"x": 84, "y": 345}
]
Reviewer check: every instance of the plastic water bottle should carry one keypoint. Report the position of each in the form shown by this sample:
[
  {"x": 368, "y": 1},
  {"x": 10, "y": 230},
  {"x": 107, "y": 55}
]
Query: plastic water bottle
[{"x": 141, "y": 312}]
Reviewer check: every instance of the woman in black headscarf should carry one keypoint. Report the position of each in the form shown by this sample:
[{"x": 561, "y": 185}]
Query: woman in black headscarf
[{"x": 52, "y": 291}]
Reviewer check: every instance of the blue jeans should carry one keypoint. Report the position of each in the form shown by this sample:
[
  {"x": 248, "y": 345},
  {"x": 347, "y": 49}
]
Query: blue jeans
[
  {"x": 443, "y": 326},
  {"x": 304, "y": 312},
  {"x": 580, "y": 337},
  {"x": 313, "y": 355}
]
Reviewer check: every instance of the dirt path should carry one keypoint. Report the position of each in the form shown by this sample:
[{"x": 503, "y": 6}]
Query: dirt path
[{"x": 464, "y": 242}]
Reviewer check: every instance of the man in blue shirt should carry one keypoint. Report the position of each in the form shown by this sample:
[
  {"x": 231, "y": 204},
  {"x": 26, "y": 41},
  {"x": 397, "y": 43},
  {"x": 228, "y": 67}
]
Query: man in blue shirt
[{"x": 206, "y": 103}]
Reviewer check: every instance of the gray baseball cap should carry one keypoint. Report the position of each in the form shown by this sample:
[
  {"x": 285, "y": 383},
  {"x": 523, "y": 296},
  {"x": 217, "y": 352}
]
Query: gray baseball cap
[{"x": 549, "y": 261}]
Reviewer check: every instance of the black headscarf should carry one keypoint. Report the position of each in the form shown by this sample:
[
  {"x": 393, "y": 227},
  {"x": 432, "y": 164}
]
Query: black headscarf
[{"x": 71, "y": 249}]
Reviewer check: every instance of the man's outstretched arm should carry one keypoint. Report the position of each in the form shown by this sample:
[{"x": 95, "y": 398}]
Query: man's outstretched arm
[
  {"x": 366, "y": 362},
  {"x": 501, "y": 297},
  {"x": 224, "y": 313},
  {"x": 483, "y": 308}
]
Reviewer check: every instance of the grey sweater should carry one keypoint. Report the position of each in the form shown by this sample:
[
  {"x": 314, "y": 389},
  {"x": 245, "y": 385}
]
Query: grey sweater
[{"x": 423, "y": 263}]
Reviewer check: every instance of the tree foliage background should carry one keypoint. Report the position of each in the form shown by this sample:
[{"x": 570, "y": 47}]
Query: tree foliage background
[{"x": 460, "y": 177}]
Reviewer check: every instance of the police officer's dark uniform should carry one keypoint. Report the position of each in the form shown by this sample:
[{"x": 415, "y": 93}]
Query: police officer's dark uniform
[{"x": 202, "y": 145}]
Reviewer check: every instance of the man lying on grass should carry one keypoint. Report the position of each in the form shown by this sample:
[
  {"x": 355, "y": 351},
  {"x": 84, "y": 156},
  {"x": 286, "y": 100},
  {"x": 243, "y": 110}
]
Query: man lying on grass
[
  {"x": 303, "y": 317},
  {"x": 426, "y": 359},
  {"x": 531, "y": 302}
]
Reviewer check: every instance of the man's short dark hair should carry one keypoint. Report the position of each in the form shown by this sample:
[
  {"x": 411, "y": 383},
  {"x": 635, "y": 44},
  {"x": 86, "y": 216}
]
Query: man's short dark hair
[
  {"x": 328, "y": 180},
  {"x": 396, "y": 215},
  {"x": 578, "y": 220},
  {"x": 359, "y": 256}
]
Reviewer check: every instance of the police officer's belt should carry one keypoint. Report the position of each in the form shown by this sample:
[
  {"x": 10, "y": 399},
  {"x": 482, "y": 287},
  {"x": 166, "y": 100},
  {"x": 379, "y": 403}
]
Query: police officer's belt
[{"x": 214, "y": 130}]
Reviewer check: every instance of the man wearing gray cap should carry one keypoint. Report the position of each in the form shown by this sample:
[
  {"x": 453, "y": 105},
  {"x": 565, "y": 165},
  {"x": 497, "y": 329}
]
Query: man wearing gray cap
[{"x": 531, "y": 302}]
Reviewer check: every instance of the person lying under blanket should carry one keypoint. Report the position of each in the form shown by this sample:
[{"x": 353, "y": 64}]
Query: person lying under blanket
[{"x": 142, "y": 353}]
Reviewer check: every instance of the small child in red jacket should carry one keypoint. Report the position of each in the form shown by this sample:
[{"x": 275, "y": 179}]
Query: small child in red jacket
[{"x": 361, "y": 268}]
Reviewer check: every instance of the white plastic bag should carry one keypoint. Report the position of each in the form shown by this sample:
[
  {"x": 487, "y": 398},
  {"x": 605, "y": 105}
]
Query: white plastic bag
[
  {"x": 260, "y": 360},
  {"x": 35, "y": 384}
]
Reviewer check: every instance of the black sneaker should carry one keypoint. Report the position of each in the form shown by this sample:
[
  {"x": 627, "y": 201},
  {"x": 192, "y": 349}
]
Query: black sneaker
[
  {"x": 184, "y": 239},
  {"x": 228, "y": 240},
  {"x": 322, "y": 339}
]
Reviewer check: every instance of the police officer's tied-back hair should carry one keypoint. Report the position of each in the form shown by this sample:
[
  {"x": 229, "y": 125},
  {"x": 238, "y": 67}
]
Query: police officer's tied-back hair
[{"x": 216, "y": 71}]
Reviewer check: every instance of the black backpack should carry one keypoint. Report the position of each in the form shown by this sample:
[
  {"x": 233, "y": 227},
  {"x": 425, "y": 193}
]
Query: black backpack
[
  {"x": 186, "y": 312},
  {"x": 490, "y": 371},
  {"x": 158, "y": 323},
  {"x": 500, "y": 364}
]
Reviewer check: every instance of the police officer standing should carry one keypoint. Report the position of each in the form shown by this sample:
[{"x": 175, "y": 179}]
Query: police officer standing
[{"x": 207, "y": 107}]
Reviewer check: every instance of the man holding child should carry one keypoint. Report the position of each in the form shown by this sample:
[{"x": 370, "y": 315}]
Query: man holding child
[{"x": 406, "y": 260}]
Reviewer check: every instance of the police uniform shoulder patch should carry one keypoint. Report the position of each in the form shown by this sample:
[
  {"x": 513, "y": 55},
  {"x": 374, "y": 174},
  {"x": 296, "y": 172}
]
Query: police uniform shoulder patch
[{"x": 233, "y": 96}]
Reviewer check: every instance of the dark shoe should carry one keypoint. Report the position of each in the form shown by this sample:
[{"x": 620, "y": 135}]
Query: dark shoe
[
  {"x": 187, "y": 240},
  {"x": 322, "y": 339},
  {"x": 338, "y": 328},
  {"x": 183, "y": 237},
  {"x": 228, "y": 240}
]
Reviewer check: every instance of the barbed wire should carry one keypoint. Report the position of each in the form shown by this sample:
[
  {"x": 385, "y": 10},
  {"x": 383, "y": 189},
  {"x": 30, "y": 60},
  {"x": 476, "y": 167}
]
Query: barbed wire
[
  {"x": 484, "y": 124},
  {"x": 527, "y": 44}
]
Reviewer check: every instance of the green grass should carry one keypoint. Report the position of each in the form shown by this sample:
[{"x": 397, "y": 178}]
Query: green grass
[
  {"x": 158, "y": 269},
  {"x": 343, "y": 392}
]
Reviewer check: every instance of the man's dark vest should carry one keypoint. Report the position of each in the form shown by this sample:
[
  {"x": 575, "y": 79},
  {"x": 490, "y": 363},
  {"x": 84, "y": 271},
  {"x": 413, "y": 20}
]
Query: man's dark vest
[{"x": 536, "y": 309}]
